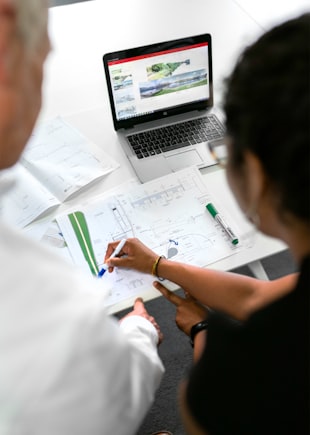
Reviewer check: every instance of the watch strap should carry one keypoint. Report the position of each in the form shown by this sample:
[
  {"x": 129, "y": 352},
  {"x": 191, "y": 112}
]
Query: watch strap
[{"x": 200, "y": 326}]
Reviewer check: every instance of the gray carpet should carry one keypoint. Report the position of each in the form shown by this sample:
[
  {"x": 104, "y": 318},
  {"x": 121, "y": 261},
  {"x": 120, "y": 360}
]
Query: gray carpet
[{"x": 176, "y": 352}]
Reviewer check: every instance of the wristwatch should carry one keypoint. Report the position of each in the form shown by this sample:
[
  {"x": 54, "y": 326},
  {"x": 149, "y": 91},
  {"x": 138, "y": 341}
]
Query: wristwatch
[{"x": 200, "y": 326}]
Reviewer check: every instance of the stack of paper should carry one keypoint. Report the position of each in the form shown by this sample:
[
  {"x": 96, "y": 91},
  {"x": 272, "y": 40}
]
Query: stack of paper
[{"x": 57, "y": 163}]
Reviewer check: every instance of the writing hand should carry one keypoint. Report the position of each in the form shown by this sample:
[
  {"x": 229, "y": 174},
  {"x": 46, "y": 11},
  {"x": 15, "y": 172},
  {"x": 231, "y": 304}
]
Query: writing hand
[{"x": 134, "y": 255}]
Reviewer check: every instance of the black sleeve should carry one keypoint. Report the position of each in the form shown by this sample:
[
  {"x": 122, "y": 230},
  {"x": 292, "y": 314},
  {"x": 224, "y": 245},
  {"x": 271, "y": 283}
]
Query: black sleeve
[
  {"x": 252, "y": 377},
  {"x": 215, "y": 387}
]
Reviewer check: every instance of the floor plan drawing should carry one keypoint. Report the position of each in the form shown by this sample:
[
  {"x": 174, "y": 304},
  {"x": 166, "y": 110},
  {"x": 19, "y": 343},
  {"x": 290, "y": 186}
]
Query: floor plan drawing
[{"x": 167, "y": 214}]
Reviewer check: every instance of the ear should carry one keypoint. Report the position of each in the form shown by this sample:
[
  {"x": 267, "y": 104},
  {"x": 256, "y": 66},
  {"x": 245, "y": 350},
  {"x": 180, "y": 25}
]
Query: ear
[{"x": 7, "y": 30}]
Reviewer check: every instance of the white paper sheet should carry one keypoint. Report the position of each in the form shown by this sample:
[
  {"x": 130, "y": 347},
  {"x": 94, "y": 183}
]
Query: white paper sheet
[
  {"x": 167, "y": 214},
  {"x": 58, "y": 162}
]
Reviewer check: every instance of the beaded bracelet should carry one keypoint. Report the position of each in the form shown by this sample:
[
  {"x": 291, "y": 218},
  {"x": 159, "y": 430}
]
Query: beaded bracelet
[{"x": 155, "y": 265}]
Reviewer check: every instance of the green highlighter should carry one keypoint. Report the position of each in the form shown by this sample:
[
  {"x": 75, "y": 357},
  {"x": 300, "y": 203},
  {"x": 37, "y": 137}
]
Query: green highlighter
[{"x": 219, "y": 219}]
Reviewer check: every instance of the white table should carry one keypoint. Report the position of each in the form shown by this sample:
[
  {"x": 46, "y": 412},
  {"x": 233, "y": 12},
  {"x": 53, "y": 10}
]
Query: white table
[
  {"x": 82, "y": 32},
  {"x": 74, "y": 85}
]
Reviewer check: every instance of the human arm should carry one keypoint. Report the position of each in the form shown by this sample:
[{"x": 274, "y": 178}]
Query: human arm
[
  {"x": 189, "y": 312},
  {"x": 237, "y": 295},
  {"x": 142, "y": 361},
  {"x": 190, "y": 425},
  {"x": 140, "y": 311},
  {"x": 86, "y": 372}
]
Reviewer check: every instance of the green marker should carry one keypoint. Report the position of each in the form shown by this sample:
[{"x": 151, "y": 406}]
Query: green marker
[{"x": 215, "y": 214}]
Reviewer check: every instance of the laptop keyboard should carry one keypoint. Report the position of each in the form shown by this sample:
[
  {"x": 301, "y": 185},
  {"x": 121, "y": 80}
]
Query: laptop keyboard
[{"x": 171, "y": 137}]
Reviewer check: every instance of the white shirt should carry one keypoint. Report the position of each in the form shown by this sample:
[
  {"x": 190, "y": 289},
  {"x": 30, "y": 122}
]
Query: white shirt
[{"x": 66, "y": 366}]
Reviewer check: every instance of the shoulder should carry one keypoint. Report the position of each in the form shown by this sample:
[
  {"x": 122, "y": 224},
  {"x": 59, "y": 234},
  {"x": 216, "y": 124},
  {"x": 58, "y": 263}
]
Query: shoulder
[{"x": 261, "y": 364}]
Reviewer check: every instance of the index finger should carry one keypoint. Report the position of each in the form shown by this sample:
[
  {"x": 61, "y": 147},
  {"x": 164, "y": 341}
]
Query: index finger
[
  {"x": 139, "y": 303},
  {"x": 110, "y": 249},
  {"x": 139, "y": 307},
  {"x": 169, "y": 295}
]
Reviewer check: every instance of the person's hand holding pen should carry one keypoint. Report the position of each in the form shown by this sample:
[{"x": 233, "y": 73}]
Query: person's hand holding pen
[
  {"x": 134, "y": 255},
  {"x": 127, "y": 253}
]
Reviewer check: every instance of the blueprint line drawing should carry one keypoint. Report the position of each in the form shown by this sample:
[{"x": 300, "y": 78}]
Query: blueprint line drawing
[{"x": 167, "y": 214}]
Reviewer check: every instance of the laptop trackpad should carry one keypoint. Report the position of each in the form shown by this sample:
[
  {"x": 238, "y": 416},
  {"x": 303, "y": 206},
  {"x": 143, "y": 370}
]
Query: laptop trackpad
[{"x": 184, "y": 160}]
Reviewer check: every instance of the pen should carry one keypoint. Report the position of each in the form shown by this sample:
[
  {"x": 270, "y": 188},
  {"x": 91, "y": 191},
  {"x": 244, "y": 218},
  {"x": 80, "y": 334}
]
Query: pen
[
  {"x": 215, "y": 214},
  {"x": 115, "y": 253}
]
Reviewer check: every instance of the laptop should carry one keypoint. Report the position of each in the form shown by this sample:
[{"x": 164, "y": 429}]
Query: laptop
[{"x": 161, "y": 98}]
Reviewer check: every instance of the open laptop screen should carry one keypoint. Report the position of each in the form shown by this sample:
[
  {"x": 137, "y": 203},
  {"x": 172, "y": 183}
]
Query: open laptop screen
[{"x": 159, "y": 80}]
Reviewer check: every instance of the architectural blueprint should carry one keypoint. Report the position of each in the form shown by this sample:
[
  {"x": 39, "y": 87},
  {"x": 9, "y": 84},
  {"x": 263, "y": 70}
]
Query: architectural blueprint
[
  {"x": 167, "y": 214},
  {"x": 58, "y": 162}
]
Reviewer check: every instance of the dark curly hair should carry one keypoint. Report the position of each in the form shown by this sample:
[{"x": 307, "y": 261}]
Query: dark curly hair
[{"x": 267, "y": 111}]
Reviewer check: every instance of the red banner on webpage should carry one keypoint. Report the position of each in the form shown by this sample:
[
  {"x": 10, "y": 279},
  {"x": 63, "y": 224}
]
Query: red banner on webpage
[{"x": 158, "y": 53}]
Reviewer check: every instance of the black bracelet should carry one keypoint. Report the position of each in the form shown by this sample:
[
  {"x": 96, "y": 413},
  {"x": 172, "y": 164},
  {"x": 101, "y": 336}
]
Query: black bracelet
[{"x": 200, "y": 326}]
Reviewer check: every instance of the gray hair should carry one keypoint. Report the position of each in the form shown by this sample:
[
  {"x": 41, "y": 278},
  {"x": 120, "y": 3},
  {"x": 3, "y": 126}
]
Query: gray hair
[{"x": 31, "y": 21}]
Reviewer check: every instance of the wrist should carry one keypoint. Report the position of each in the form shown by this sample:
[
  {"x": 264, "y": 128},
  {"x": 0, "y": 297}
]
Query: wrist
[
  {"x": 195, "y": 329},
  {"x": 135, "y": 324},
  {"x": 155, "y": 265}
]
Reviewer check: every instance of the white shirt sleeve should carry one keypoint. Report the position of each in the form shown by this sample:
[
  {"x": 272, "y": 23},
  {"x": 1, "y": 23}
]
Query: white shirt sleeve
[
  {"x": 132, "y": 325},
  {"x": 66, "y": 366}
]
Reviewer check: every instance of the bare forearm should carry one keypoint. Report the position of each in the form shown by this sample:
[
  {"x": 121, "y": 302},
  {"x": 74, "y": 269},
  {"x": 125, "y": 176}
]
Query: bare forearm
[
  {"x": 199, "y": 345},
  {"x": 237, "y": 295}
]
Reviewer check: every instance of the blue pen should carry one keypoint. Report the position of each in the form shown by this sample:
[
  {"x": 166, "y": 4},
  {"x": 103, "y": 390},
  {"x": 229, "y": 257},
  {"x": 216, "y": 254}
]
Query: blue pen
[{"x": 115, "y": 253}]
